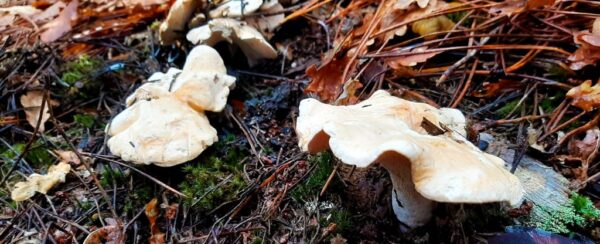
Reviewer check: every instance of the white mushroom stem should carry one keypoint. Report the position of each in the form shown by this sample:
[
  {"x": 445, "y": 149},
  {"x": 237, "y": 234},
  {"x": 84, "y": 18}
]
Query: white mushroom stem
[{"x": 410, "y": 207}]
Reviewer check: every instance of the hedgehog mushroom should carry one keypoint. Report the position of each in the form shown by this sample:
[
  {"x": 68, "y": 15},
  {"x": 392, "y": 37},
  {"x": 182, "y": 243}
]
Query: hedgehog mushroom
[
  {"x": 250, "y": 41},
  {"x": 164, "y": 122},
  {"x": 179, "y": 14},
  {"x": 235, "y": 8},
  {"x": 439, "y": 166}
]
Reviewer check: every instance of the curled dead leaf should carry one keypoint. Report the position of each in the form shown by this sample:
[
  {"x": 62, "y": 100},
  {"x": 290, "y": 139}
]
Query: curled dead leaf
[
  {"x": 151, "y": 210},
  {"x": 588, "y": 52},
  {"x": 109, "y": 234},
  {"x": 32, "y": 104},
  {"x": 326, "y": 80},
  {"x": 585, "y": 96}
]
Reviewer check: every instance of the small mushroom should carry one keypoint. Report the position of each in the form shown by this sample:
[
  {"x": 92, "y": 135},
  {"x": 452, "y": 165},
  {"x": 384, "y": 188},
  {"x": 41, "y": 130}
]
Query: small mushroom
[
  {"x": 164, "y": 122},
  {"x": 425, "y": 165},
  {"x": 235, "y": 8},
  {"x": 40, "y": 183},
  {"x": 252, "y": 43},
  {"x": 174, "y": 25}
]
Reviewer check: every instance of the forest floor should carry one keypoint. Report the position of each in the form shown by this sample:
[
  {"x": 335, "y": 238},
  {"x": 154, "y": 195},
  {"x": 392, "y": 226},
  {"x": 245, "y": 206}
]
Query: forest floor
[{"x": 517, "y": 69}]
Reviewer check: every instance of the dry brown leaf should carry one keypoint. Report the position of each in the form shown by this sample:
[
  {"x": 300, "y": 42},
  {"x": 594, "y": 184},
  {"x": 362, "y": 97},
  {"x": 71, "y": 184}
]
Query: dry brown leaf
[
  {"x": 151, "y": 210},
  {"x": 40, "y": 183},
  {"x": 109, "y": 234},
  {"x": 61, "y": 25},
  {"x": 585, "y": 96},
  {"x": 583, "y": 151},
  {"x": 32, "y": 104},
  {"x": 50, "y": 12},
  {"x": 410, "y": 60},
  {"x": 326, "y": 81},
  {"x": 588, "y": 52}
]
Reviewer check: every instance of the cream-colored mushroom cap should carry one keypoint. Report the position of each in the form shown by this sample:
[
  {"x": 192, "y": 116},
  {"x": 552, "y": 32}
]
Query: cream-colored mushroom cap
[
  {"x": 235, "y": 8},
  {"x": 159, "y": 84},
  {"x": 445, "y": 168},
  {"x": 203, "y": 82},
  {"x": 163, "y": 131},
  {"x": 381, "y": 105},
  {"x": 250, "y": 41},
  {"x": 164, "y": 122},
  {"x": 173, "y": 26}
]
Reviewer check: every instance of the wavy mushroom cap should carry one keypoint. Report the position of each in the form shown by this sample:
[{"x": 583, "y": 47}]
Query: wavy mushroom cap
[
  {"x": 203, "y": 82},
  {"x": 444, "y": 167},
  {"x": 235, "y": 8},
  {"x": 163, "y": 131},
  {"x": 179, "y": 14},
  {"x": 250, "y": 41}
]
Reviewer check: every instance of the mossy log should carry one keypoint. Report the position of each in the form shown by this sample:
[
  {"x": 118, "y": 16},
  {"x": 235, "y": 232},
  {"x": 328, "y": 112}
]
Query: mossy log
[{"x": 547, "y": 189}]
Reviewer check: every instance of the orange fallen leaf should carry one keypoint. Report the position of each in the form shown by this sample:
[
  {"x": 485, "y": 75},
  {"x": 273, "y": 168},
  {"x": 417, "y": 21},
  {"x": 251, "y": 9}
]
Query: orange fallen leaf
[
  {"x": 585, "y": 96},
  {"x": 151, "y": 210},
  {"x": 109, "y": 234},
  {"x": 410, "y": 60},
  {"x": 326, "y": 81},
  {"x": 61, "y": 25}
]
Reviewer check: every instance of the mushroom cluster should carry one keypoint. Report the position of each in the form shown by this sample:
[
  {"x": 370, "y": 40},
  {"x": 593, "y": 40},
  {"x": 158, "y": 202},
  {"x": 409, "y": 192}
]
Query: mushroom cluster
[
  {"x": 422, "y": 148},
  {"x": 164, "y": 122},
  {"x": 232, "y": 21}
]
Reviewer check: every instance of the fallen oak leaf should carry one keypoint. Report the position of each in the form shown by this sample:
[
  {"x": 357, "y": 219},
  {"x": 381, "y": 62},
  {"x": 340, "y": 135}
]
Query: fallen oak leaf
[
  {"x": 326, "y": 80},
  {"x": 61, "y": 24},
  {"x": 585, "y": 96}
]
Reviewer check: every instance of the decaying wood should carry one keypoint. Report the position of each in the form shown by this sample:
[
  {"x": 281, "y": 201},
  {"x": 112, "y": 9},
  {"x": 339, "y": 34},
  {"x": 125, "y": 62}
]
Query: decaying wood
[{"x": 543, "y": 186}]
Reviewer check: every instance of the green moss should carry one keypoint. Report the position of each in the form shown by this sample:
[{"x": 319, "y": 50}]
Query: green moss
[
  {"x": 507, "y": 108},
  {"x": 110, "y": 175},
  {"x": 584, "y": 206},
  {"x": 155, "y": 25},
  {"x": 214, "y": 179},
  {"x": 340, "y": 217},
  {"x": 548, "y": 104},
  {"x": 79, "y": 69},
  {"x": 85, "y": 120},
  {"x": 577, "y": 214},
  {"x": 315, "y": 181},
  {"x": 559, "y": 73},
  {"x": 137, "y": 198},
  {"x": 36, "y": 156}
]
